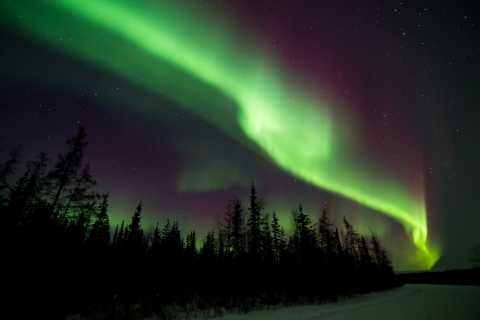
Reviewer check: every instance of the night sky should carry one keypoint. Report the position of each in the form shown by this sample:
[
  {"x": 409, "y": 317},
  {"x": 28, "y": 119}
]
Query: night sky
[{"x": 369, "y": 109}]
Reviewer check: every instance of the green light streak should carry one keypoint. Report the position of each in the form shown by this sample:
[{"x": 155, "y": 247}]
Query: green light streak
[{"x": 184, "y": 57}]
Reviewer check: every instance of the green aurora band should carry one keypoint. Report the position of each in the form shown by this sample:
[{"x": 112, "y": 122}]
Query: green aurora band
[{"x": 186, "y": 58}]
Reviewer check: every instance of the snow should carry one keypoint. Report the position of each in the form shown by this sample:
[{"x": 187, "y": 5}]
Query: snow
[{"x": 412, "y": 301}]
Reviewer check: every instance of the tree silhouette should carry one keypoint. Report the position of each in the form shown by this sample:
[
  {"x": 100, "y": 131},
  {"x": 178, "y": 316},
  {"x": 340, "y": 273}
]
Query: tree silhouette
[
  {"x": 156, "y": 240},
  {"x": 254, "y": 234},
  {"x": 237, "y": 229},
  {"x": 99, "y": 237},
  {"x": 59, "y": 223},
  {"x": 365, "y": 259},
  {"x": 304, "y": 236},
  {"x": 475, "y": 256},
  {"x": 278, "y": 238},
  {"x": 135, "y": 232},
  {"x": 351, "y": 245},
  {"x": 190, "y": 246},
  {"x": 115, "y": 237},
  {"x": 207, "y": 251},
  {"x": 253, "y": 223},
  {"x": 380, "y": 255},
  {"x": 326, "y": 237},
  {"x": 121, "y": 237},
  {"x": 9, "y": 166},
  {"x": 66, "y": 169},
  {"x": 266, "y": 240},
  {"x": 81, "y": 197}
]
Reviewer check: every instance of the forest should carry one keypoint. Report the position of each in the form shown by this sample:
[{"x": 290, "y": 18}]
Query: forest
[{"x": 62, "y": 256}]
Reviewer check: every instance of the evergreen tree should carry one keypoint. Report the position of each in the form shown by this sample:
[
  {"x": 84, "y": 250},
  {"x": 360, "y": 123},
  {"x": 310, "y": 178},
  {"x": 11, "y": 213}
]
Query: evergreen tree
[
  {"x": 154, "y": 254},
  {"x": 221, "y": 247},
  {"x": 81, "y": 197},
  {"x": 175, "y": 241},
  {"x": 145, "y": 241},
  {"x": 326, "y": 237},
  {"x": 190, "y": 262},
  {"x": 232, "y": 229},
  {"x": 365, "y": 258},
  {"x": 225, "y": 228},
  {"x": 278, "y": 238},
  {"x": 254, "y": 236},
  {"x": 165, "y": 237},
  {"x": 254, "y": 221},
  {"x": 28, "y": 188},
  {"x": 339, "y": 265},
  {"x": 126, "y": 237},
  {"x": 380, "y": 255},
  {"x": 351, "y": 244},
  {"x": 13, "y": 210},
  {"x": 121, "y": 236},
  {"x": 474, "y": 257},
  {"x": 304, "y": 236},
  {"x": 190, "y": 246},
  {"x": 156, "y": 239},
  {"x": 135, "y": 232},
  {"x": 9, "y": 167},
  {"x": 76, "y": 233},
  {"x": 115, "y": 237},
  {"x": 67, "y": 166},
  {"x": 237, "y": 229},
  {"x": 338, "y": 245},
  {"x": 266, "y": 240},
  {"x": 99, "y": 237},
  {"x": 207, "y": 251},
  {"x": 171, "y": 248}
]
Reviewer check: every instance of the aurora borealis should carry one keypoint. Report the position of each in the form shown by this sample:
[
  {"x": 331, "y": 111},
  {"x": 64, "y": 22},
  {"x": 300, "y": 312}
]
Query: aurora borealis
[{"x": 203, "y": 98}]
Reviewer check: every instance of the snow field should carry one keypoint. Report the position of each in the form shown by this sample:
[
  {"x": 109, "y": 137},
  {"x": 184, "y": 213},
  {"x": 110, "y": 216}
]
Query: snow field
[{"x": 412, "y": 301}]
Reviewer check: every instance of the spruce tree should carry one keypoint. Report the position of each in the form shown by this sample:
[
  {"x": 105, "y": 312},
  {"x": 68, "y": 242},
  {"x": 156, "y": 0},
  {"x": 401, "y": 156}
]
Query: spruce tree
[
  {"x": 190, "y": 246},
  {"x": 253, "y": 224},
  {"x": 304, "y": 236},
  {"x": 365, "y": 258},
  {"x": 175, "y": 242},
  {"x": 121, "y": 236},
  {"x": 266, "y": 240},
  {"x": 14, "y": 209},
  {"x": 156, "y": 239},
  {"x": 326, "y": 237},
  {"x": 380, "y": 255},
  {"x": 81, "y": 196},
  {"x": 9, "y": 167},
  {"x": 207, "y": 251},
  {"x": 126, "y": 238},
  {"x": 115, "y": 236},
  {"x": 221, "y": 247},
  {"x": 28, "y": 188},
  {"x": 351, "y": 245},
  {"x": 225, "y": 228},
  {"x": 337, "y": 244},
  {"x": 135, "y": 232},
  {"x": 65, "y": 171},
  {"x": 237, "y": 229},
  {"x": 278, "y": 238},
  {"x": 165, "y": 237},
  {"x": 99, "y": 238}
]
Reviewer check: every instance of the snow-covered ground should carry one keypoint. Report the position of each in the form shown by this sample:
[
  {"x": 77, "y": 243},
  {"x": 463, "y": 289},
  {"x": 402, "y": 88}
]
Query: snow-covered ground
[{"x": 412, "y": 301}]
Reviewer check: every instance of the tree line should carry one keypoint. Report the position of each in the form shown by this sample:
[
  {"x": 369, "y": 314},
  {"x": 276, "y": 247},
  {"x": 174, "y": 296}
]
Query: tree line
[{"x": 56, "y": 241}]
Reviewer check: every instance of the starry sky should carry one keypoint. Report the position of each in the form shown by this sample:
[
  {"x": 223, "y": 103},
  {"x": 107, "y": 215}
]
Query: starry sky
[{"x": 368, "y": 109}]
